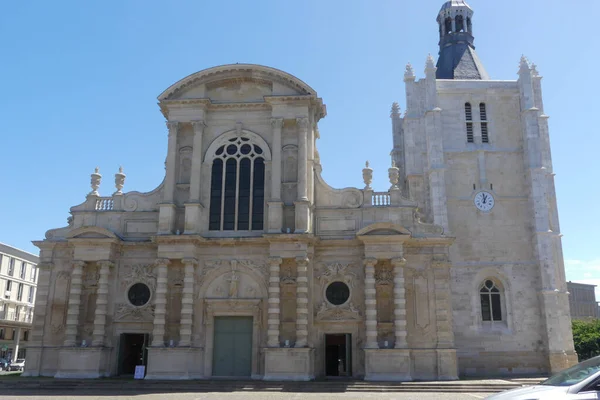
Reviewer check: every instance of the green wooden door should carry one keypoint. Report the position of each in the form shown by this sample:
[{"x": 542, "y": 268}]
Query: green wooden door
[{"x": 232, "y": 350}]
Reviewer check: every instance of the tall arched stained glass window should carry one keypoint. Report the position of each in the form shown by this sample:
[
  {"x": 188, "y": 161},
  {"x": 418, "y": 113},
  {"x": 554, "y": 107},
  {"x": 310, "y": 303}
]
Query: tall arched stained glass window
[{"x": 491, "y": 301}]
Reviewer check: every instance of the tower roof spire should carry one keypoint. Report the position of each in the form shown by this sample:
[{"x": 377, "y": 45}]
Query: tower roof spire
[{"x": 458, "y": 59}]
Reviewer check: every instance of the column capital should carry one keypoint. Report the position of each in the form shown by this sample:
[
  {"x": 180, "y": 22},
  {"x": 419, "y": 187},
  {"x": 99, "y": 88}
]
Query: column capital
[
  {"x": 275, "y": 261},
  {"x": 162, "y": 262},
  {"x": 369, "y": 262},
  {"x": 198, "y": 125},
  {"x": 302, "y": 261},
  {"x": 398, "y": 262},
  {"x": 78, "y": 264},
  {"x": 276, "y": 123},
  {"x": 172, "y": 126},
  {"x": 302, "y": 123},
  {"x": 189, "y": 261},
  {"x": 106, "y": 263}
]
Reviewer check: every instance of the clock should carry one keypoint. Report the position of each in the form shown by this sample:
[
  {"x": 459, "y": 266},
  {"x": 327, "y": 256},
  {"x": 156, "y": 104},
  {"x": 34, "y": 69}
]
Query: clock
[{"x": 484, "y": 201}]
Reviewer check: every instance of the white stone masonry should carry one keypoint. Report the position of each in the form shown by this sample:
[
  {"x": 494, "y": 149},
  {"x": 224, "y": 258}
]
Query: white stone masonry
[
  {"x": 187, "y": 302},
  {"x": 101, "y": 304},
  {"x": 74, "y": 302},
  {"x": 274, "y": 302},
  {"x": 160, "y": 302},
  {"x": 302, "y": 302}
]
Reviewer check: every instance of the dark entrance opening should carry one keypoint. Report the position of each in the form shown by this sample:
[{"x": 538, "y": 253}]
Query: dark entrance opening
[
  {"x": 338, "y": 355},
  {"x": 132, "y": 352}
]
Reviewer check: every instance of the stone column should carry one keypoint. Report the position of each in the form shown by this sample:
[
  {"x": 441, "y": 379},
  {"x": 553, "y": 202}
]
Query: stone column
[
  {"x": 195, "y": 177},
  {"x": 370, "y": 304},
  {"x": 399, "y": 303},
  {"x": 41, "y": 303},
  {"x": 160, "y": 302},
  {"x": 302, "y": 302},
  {"x": 101, "y": 304},
  {"x": 275, "y": 205},
  {"x": 187, "y": 302},
  {"x": 274, "y": 302},
  {"x": 171, "y": 159},
  {"x": 74, "y": 302},
  {"x": 302, "y": 124}
]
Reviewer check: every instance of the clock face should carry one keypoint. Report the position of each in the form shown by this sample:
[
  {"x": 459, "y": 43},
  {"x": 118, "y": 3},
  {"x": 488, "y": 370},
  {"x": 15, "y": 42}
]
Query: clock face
[{"x": 484, "y": 201}]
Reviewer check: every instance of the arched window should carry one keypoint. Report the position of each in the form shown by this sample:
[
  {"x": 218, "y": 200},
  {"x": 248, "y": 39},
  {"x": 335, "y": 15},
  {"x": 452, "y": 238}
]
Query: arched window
[
  {"x": 491, "y": 301},
  {"x": 448, "y": 25},
  {"x": 484, "y": 126},
  {"x": 460, "y": 23},
  {"x": 469, "y": 26},
  {"x": 237, "y": 187},
  {"x": 469, "y": 119}
]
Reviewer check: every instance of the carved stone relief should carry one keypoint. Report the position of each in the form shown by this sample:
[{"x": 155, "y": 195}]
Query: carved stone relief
[
  {"x": 287, "y": 274},
  {"x": 128, "y": 275},
  {"x": 329, "y": 312},
  {"x": 126, "y": 312},
  {"x": 230, "y": 284},
  {"x": 58, "y": 313},
  {"x": 336, "y": 272},
  {"x": 421, "y": 311}
]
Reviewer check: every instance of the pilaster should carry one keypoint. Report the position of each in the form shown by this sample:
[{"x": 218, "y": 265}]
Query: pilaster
[
  {"x": 275, "y": 206},
  {"x": 160, "y": 302},
  {"x": 302, "y": 302},
  {"x": 370, "y": 304},
  {"x": 399, "y": 304},
  {"x": 74, "y": 303},
  {"x": 166, "y": 219},
  {"x": 101, "y": 304},
  {"x": 193, "y": 207},
  {"x": 187, "y": 302},
  {"x": 274, "y": 310}
]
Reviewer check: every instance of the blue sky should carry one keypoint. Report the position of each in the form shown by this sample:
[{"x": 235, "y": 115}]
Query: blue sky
[{"x": 80, "y": 82}]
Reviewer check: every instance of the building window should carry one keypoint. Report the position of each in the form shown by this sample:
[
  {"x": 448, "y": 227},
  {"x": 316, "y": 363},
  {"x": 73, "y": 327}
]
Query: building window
[
  {"x": 490, "y": 297},
  {"x": 459, "y": 22},
  {"x": 469, "y": 119},
  {"x": 11, "y": 266},
  {"x": 8, "y": 289},
  {"x": 20, "y": 292},
  {"x": 2, "y": 333},
  {"x": 22, "y": 352},
  {"x": 139, "y": 294},
  {"x": 17, "y": 313},
  {"x": 237, "y": 187},
  {"x": 484, "y": 125},
  {"x": 30, "y": 295},
  {"x": 14, "y": 334},
  {"x": 23, "y": 269},
  {"x": 33, "y": 273},
  {"x": 337, "y": 293}
]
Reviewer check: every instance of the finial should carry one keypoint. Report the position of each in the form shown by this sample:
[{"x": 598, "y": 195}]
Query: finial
[
  {"x": 367, "y": 176},
  {"x": 393, "y": 163},
  {"x": 534, "y": 70},
  {"x": 96, "y": 178},
  {"x": 430, "y": 64},
  {"x": 394, "y": 175},
  {"x": 119, "y": 181},
  {"x": 395, "y": 109},
  {"x": 409, "y": 72},
  {"x": 524, "y": 64}
]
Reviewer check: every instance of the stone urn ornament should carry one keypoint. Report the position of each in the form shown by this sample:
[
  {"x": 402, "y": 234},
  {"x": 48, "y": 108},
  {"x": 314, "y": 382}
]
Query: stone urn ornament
[
  {"x": 96, "y": 178},
  {"x": 394, "y": 175},
  {"x": 119, "y": 181},
  {"x": 367, "y": 176}
]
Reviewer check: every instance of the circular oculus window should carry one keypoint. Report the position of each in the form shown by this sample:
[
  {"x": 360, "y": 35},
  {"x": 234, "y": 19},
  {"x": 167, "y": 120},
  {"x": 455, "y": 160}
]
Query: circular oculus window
[
  {"x": 337, "y": 293},
  {"x": 139, "y": 294}
]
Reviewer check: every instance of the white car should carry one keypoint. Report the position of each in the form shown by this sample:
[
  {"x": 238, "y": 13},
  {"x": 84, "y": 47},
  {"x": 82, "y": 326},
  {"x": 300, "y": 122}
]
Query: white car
[
  {"x": 18, "y": 365},
  {"x": 580, "y": 382}
]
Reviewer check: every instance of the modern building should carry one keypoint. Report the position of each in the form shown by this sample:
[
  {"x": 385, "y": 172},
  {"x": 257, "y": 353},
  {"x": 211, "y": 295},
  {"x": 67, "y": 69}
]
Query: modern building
[
  {"x": 582, "y": 301},
  {"x": 18, "y": 281},
  {"x": 244, "y": 262}
]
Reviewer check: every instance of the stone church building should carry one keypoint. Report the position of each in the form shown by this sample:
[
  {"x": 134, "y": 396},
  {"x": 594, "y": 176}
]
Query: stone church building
[{"x": 244, "y": 262}]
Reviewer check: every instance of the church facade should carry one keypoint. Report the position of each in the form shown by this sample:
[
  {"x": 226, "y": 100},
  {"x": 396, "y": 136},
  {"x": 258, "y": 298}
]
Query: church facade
[{"x": 244, "y": 262}]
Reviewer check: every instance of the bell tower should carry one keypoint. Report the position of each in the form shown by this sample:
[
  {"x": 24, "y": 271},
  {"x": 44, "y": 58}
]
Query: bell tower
[{"x": 458, "y": 59}]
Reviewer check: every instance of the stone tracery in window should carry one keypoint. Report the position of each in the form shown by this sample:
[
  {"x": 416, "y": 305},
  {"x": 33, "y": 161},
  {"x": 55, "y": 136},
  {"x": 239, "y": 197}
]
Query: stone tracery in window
[
  {"x": 237, "y": 186},
  {"x": 491, "y": 301}
]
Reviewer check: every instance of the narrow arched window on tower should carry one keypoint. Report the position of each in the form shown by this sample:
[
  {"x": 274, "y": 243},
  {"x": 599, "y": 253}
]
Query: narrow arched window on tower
[
  {"x": 237, "y": 187},
  {"x": 491, "y": 301},
  {"x": 460, "y": 23},
  {"x": 469, "y": 119},
  {"x": 485, "y": 138},
  {"x": 448, "y": 25}
]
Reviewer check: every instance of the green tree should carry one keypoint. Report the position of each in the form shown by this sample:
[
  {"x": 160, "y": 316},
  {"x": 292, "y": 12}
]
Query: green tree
[{"x": 586, "y": 336}]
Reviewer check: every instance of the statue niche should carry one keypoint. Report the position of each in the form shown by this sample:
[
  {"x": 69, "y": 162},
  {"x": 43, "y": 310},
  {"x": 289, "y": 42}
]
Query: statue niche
[{"x": 233, "y": 284}]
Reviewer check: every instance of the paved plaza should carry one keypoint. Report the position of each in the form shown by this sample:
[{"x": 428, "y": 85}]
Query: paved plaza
[{"x": 48, "y": 395}]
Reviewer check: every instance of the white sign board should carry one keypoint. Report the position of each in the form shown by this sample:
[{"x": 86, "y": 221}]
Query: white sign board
[{"x": 140, "y": 371}]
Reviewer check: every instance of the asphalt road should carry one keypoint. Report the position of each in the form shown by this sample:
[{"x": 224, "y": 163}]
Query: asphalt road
[{"x": 48, "y": 395}]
